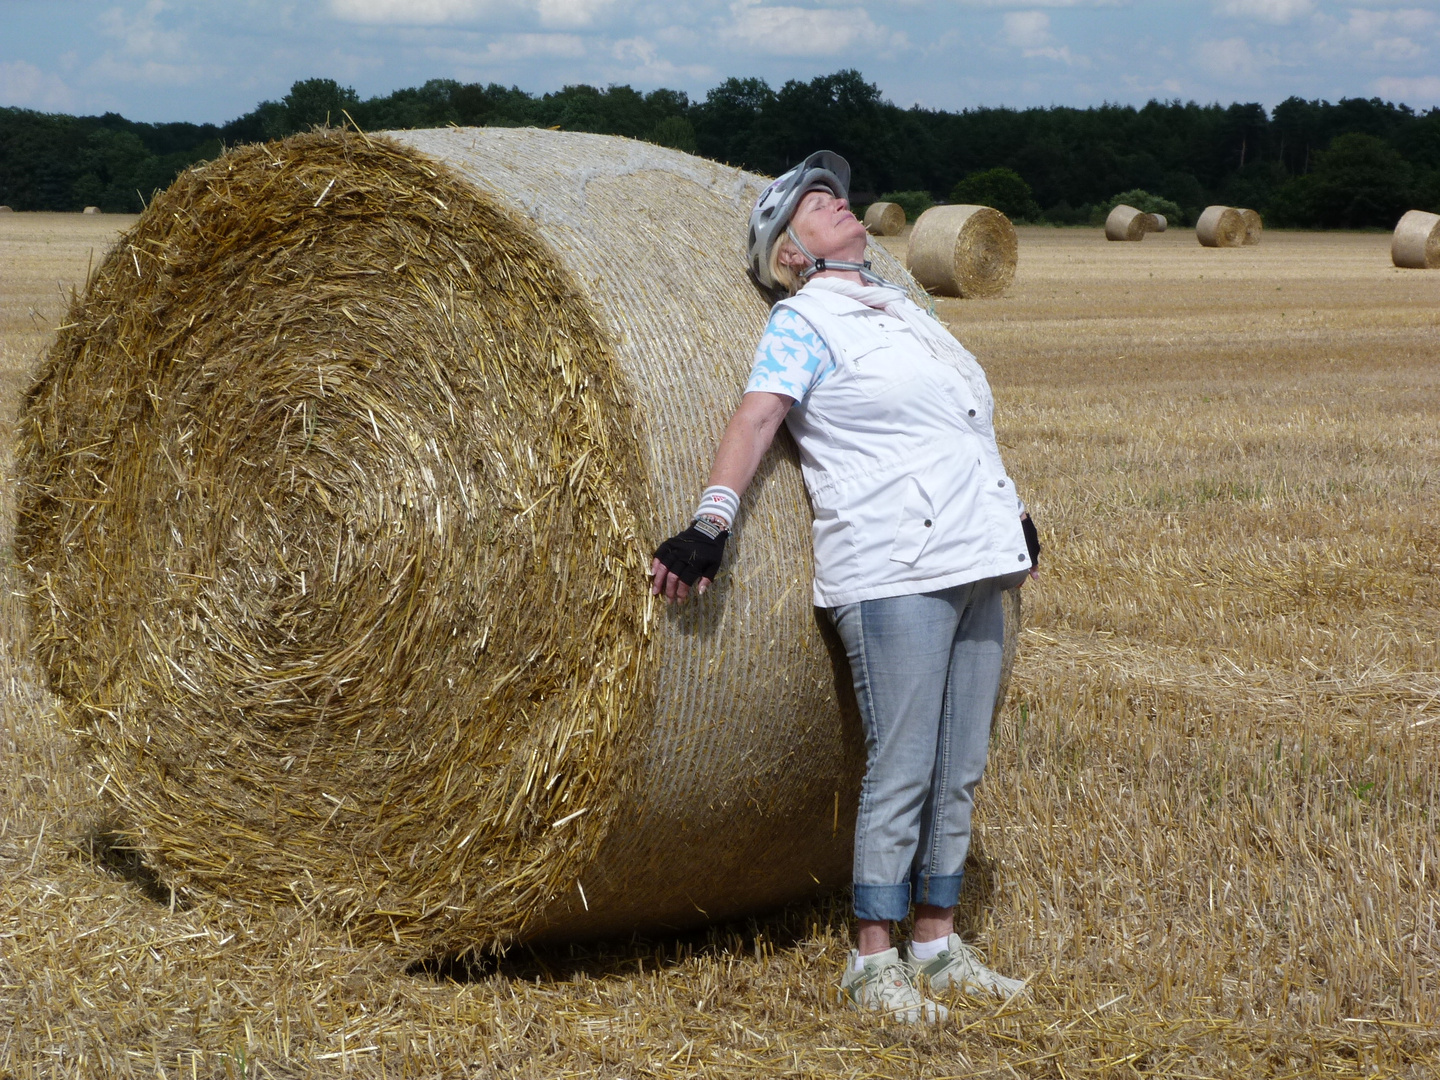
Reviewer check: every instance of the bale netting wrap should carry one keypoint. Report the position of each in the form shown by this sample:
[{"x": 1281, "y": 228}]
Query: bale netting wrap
[
  {"x": 1416, "y": 243},
  {"x": 1220, "y": 226},
  {"x": 337, "y": 492},
  {"x": 1128, "y": 223},
  {"x": 961, "y": 250},
  {"x": 1254, "y": 226},
  {"x": 884, "y": 218}
]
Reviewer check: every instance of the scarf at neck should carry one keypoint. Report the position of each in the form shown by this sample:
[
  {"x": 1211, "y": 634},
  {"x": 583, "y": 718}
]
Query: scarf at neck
[{"x": 940, "y": 343}]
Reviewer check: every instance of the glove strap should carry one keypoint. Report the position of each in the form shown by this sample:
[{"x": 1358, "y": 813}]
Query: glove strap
[{"x": 711, "y": 529}]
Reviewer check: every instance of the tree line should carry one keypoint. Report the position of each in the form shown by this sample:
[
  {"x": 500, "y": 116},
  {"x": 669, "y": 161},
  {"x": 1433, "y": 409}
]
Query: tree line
[{"x": 1350, "y": 164}]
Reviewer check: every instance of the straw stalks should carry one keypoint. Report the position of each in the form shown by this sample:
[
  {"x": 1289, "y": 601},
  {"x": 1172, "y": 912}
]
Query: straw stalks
[
  {"x": 965, "y": 251},
  {"x": 1221, "y": 226},
  {"x": 1416, "y": 243},
  {"x": 884, "y": 219}
]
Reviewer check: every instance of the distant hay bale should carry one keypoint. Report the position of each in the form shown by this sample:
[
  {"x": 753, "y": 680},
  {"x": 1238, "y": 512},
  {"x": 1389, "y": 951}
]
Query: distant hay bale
[
  {"x": 1416, "y": 243},
  {"x": 337, "y": 493},
  {"x": 961, "y": 250},
  {"x": 1220, "y": 226},
  {"x": 91, "y": 210},
  {"x": 885, "y": 218},
  {"x": 1160, "y": 223},
  {"x": 6, "y": 210},
  {"x": 1254, "y": 226},
  {"x": 1128, "y": 223}
]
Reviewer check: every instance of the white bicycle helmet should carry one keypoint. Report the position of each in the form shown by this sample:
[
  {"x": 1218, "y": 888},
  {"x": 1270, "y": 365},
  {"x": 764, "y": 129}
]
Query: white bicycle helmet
[{"x": 770, "y": 219}]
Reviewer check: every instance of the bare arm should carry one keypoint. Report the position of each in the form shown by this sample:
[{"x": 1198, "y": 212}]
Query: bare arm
[{"x": 751, "y": 429}]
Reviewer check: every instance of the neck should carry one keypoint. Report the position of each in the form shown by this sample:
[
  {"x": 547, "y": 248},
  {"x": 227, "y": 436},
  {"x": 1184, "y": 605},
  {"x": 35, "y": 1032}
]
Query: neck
[{"x": 842, "y": 275}]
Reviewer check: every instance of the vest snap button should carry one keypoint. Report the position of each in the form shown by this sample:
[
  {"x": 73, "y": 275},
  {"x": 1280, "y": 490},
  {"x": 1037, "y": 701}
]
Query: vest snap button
[
  {"x": 927, "y": 523},
  {"x": 972, "y": 412},
  {"x": 1020, "y": 557},
  {"x": 1000, "y": 483}
]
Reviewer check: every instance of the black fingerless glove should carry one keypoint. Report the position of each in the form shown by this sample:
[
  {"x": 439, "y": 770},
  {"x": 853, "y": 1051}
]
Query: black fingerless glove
[
  {"x": 1032, "y": 540},
  {"x": 694, "y": 553}
]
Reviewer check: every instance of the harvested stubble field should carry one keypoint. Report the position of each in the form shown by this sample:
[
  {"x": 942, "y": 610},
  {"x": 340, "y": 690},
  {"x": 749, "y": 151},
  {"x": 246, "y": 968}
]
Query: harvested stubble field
[{"x": 1208, "y": 833}]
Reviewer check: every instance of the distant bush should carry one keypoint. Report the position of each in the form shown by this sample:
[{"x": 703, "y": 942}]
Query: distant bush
[
  {"x": 914, "y": 203},
  {"x": 1001, "y": 188},
  {"x": 1142, "y": 200}
]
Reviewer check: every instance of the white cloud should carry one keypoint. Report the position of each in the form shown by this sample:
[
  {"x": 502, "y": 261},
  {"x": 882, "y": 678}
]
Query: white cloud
[
  {"x": 1271, "y": 11},
  {"x": 797, "y": 31},
  {"x": 1027, "y": 29},
  {"x": 554, "y": 14},
  {"x": 25, "y": 85},
  {"x": 1386, "y": 37},
  {"x": 1420, "y": 92},
  {"x": 140, "y": 33},
  {"x": 640, "y": 61},
  {"x": 1043, "y": 3},
  {"x": 510, "y": 48},
  {"x": 414, "y": 12},
  {"x": 1232, "y": 58}
]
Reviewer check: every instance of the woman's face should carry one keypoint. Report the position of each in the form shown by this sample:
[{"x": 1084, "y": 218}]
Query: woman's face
[{"x": 826, "y": 226}]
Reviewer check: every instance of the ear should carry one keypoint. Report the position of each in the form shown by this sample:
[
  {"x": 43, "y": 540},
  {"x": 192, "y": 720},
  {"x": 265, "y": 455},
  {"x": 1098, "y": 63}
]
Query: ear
[{"x": 790, "y": 256}]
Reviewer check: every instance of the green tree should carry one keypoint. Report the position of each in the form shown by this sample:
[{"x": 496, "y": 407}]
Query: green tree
[
  {"x": 675, "y": 132},
  {"x": 315, "y": 102},
  {"x": 1358, "y": 181},
  {"x": 1001, "y": 188}
]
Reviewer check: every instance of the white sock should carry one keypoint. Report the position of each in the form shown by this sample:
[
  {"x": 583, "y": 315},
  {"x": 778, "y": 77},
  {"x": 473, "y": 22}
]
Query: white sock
[
  {"x": 858, "y": 963},
  {"x": 928, "y": 950}
]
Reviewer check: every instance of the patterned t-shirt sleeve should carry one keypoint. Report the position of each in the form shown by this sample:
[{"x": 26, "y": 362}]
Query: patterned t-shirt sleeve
[{"x": 791, "y": 359}]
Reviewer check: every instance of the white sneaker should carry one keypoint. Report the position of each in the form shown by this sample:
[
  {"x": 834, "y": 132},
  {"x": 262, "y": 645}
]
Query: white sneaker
[
  {"x": 885, "y": 985},
  {"x": 958, "y": 967}
]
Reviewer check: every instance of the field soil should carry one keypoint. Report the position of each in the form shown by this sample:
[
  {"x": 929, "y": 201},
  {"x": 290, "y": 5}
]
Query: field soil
[{"x": 1208, "y": 836}]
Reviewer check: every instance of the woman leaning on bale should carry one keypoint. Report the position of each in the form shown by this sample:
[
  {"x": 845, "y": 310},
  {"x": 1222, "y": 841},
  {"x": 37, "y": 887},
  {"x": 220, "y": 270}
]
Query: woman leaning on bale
[{"x": 917, "y": 531}]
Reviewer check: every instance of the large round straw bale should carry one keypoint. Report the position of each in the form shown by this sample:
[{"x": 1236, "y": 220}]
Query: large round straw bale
[
  {"x": 1158, "y": 223},
  {"x": 1127, "y": 223},
  {"x": 338, "y": 491},
  {"x": 1416, "y": 243},
  {"x": 1254, "y": 226},
  {"x": 6, "y": 210},
  {"x": 885, "y": 218},
  {"x": 962, "y": 250},
  {"x": 91, "y": 210},
  {"x": 1220, "y": 226}
]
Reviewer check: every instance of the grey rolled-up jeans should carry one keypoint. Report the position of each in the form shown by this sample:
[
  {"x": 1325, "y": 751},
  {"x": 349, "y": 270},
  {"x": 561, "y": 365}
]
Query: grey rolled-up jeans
[{"x": 926, "y": 669}]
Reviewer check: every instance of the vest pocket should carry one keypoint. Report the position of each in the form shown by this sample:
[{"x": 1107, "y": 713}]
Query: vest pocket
[{"x": 916, "y": 524}]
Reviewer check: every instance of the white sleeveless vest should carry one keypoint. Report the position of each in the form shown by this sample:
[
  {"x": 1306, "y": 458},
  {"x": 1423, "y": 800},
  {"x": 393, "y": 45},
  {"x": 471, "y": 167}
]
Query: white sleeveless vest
[{"x": 898, "y": 453}]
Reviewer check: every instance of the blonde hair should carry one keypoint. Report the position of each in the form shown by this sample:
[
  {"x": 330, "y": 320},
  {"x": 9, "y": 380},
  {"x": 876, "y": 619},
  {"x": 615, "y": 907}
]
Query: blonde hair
[{"x": 786, "y": 277}]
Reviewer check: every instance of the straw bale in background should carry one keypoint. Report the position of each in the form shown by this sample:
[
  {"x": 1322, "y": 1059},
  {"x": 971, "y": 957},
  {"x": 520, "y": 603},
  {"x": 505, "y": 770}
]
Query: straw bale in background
[
  {"x": 961, "y": 250},
  {"x": 1254, "y": 226},
  {"x": 1159, "y": 224},
  {"x": 1416, "y": 243},
  {"x": 884, "y": 218},
  {"x": 6, "y": 210},
  {"x": 1221, "y": 226},
  {"x": 91, "y": 210},
  {"x": 1128, "y": 223},
  {"x": 338, "y": 490}
]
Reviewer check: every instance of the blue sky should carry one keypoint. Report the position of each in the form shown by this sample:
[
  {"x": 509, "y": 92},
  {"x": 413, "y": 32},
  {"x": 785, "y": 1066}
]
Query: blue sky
[{"x": 215, "y": 59}]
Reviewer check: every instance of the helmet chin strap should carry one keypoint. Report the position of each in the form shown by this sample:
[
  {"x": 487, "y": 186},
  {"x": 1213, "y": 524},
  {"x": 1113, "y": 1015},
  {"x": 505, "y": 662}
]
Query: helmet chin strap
[{"x": 819, "y": 266}]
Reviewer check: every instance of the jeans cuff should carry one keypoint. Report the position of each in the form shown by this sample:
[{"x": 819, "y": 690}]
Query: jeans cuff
[
  {"x": 882, "y": 903},
  {"x": 940, "y": 890}
]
